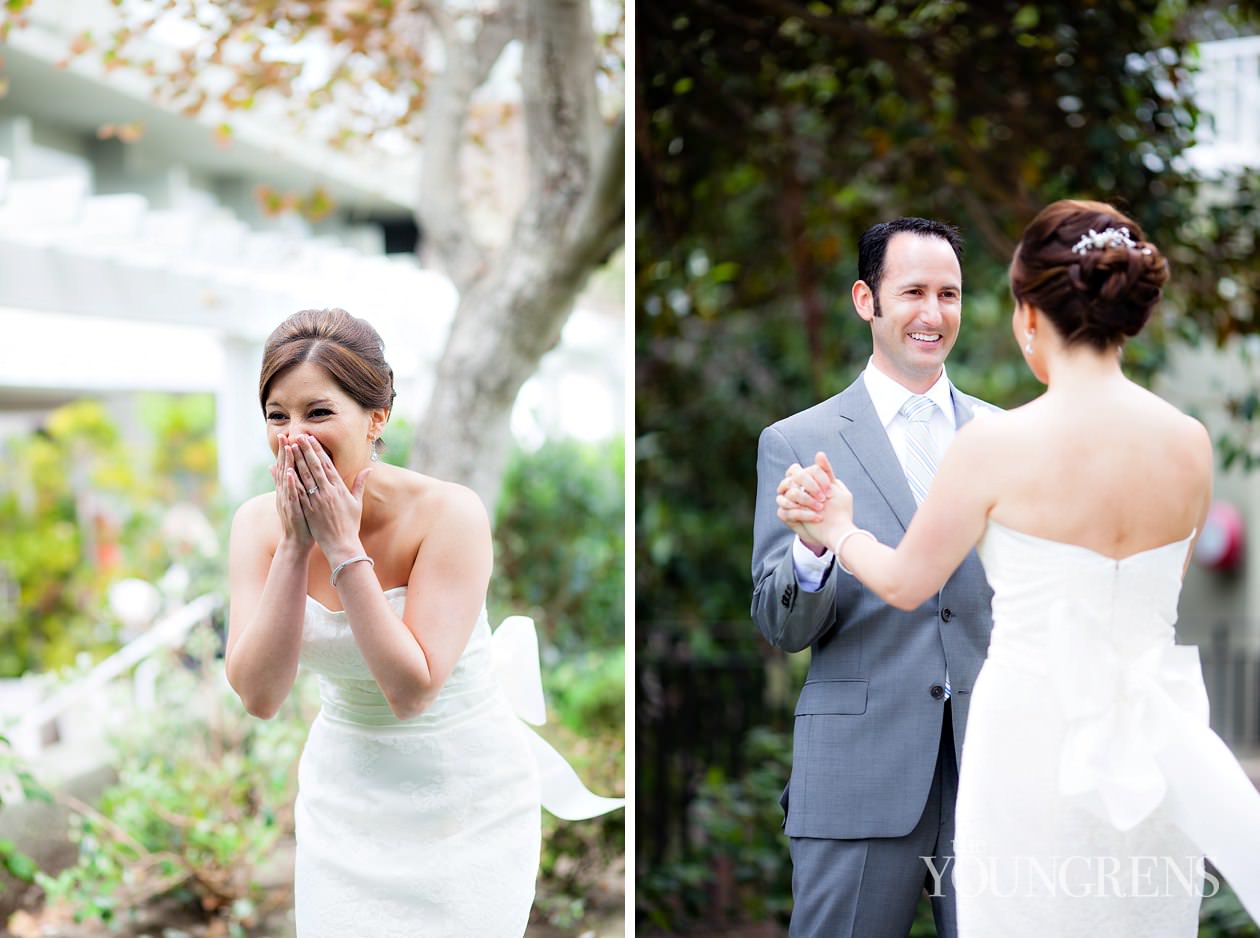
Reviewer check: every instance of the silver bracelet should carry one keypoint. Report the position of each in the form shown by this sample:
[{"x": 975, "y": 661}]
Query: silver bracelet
[
  {"x": 839, "y": 547},
  {"x": 359, "y": 557}
]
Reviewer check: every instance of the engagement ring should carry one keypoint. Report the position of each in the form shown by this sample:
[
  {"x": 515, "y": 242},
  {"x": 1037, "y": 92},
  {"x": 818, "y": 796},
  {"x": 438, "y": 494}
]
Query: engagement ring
[{"x": 312, "y": 490}]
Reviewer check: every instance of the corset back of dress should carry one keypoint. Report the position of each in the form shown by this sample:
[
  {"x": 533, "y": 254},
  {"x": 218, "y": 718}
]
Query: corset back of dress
[{"x": 349, "y": 693}]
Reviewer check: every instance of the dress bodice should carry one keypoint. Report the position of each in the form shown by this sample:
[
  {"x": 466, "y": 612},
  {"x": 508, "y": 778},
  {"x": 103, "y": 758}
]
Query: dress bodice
[
  {"x": 1046, "y": 592},
  {"x": 496, "y": 678},
  {"x": 347, "y": 689}
]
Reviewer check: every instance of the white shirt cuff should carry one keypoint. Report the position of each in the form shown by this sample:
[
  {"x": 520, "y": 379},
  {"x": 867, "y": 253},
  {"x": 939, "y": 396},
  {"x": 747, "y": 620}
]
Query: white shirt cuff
[{"x": 811, "y": 570}]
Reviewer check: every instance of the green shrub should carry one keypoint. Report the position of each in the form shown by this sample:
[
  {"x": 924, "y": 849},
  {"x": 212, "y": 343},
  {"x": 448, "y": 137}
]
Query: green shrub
[
  {"x": 586, "y": 713},
  {"x": 1222, "y": 916},
  {"x": 14, "y": 771},
  {"x": 587, "y": 689},
  {"x": 204, "y": 794},
  {"x": 582, "y": 867},
  {"x": 559, "y": 543},
  {"x": 80, "y": 509},
  {"x": 396, "y": 440},
  {"x": 738, "y": 869}
]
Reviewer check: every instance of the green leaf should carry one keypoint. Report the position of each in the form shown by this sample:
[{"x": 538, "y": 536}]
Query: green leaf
[
  {"x": 1027, "y": 17},
  {"x": 21, "y": 866}
]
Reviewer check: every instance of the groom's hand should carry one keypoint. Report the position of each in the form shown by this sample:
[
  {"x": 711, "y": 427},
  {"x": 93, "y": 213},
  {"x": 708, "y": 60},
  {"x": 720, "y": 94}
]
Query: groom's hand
[
  {"x": 836, "y": 515},
  {"x": 802, "y": 494}
]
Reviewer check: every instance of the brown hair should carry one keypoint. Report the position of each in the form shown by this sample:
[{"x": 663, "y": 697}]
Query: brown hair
[
  {"x": 349, "y": 349},
  {"x": 1097, "y": 296}
]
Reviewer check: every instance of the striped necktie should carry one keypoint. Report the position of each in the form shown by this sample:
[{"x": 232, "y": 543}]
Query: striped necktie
[
  {"x": 921, "y": 458},
  {"x": 921, "y": 455}
]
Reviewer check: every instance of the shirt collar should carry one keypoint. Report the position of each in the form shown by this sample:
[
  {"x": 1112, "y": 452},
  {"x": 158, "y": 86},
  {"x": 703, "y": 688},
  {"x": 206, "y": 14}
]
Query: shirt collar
[{"x": 887, "y": 394}]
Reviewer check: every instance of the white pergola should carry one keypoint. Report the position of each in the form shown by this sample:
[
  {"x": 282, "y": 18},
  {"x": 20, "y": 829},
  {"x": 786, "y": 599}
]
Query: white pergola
[{"x": 105, "y": 292}]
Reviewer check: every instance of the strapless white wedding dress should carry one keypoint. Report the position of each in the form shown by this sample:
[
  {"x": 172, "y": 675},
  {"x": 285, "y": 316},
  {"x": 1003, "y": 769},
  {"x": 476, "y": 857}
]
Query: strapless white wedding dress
[
  {"x": 1091, "y": 786},
  {"x": 428, "y": 826}
]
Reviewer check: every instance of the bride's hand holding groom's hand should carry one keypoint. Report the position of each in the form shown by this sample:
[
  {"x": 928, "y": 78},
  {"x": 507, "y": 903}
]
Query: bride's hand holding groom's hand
[
  {"x": 815, "y": 504},
  {"x": 836, "y": 517},
  {"x": 800, "y": 497}
]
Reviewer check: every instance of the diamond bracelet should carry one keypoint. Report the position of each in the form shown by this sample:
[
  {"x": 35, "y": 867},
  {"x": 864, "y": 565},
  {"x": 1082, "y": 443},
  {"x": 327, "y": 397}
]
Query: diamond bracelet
[{"x": 345, "y": 563}]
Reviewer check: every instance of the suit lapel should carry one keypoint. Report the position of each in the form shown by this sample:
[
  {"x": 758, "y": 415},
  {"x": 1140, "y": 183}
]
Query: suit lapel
[
  {"x": 962, "y": 407},
  {"x": 866, "y": 437}
]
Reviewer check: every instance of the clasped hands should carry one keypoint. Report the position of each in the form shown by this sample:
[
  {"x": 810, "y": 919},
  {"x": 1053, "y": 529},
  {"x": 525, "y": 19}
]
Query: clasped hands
[
  {"x": 815, "y": 504},
  {"x": 314, "y": 503}
]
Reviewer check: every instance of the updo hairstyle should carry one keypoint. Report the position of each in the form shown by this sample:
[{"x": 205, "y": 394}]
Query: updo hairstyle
[
  {"x": 349, "y": 349},
  {"x": 1097, "y": 294}
]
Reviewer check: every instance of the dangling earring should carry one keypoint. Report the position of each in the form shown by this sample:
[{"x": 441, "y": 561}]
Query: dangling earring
[
  {"x": 1028, "y": 344},
  {"x": 374, "y": 457}
]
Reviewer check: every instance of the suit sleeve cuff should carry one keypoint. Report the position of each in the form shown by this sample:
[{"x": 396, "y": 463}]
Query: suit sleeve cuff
[{"x": 811, "y": 570}]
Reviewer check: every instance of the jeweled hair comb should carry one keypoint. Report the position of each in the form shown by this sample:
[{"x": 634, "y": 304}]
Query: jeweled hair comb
[{"x": 1108, "y": 238}]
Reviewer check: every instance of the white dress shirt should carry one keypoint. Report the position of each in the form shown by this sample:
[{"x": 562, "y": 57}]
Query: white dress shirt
[{"x": 888, "y": 396}]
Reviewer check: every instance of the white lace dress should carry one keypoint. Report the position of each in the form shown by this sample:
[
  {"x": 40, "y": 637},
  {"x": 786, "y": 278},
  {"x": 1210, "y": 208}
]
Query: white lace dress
[
  {"x": 427, "y": 826},
  {"x": 1090, "y": 785}
]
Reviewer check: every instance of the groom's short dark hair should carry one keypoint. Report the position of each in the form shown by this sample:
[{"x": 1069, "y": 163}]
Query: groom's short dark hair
[{"x": 874, "y": 242}]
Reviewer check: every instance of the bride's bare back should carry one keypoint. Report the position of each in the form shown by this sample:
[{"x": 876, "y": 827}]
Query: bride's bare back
[{"x": 1104, "y": 464}]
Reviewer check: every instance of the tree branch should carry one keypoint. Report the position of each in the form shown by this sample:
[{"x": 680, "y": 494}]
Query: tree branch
[
  {"x": 600, "y": 226},
  {"x": 441, "y": 213},
  {"x": 561, "y": 112},
  {"x": 571, "y": 220},
  {"x": 497, "y": 30}
]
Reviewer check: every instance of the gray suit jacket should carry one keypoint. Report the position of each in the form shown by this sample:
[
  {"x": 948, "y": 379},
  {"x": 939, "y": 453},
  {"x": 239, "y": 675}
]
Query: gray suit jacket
[{"x": 868, "y": 721}]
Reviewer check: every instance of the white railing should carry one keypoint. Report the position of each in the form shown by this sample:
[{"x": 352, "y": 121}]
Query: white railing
[
  {"x": 1227, "y": 90},
  {"x": 27, "y": 735}
]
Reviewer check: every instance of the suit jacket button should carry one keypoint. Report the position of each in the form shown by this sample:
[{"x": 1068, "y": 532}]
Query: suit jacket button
[
  {"x": 946, "y": 615},
  {"x": 937, "y": 691}
]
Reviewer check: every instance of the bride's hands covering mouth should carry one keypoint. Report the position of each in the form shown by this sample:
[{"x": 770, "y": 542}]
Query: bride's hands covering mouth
[{"x": 332, "y": 510}]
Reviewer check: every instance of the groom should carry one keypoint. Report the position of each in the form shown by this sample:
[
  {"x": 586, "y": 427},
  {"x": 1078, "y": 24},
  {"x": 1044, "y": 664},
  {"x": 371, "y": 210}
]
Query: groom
[{"x": 880, "y": 719}]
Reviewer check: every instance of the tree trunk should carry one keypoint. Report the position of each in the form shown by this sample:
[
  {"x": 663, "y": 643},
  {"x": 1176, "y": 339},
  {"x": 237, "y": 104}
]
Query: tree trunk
[
  {"x": 503, "y": 326},
  {"x": 514, "y": 302}
]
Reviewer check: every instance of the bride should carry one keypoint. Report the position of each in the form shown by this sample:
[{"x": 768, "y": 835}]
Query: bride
[
  {"x": 419, "y": 788},
  {"x": 1090, "y": 785}
]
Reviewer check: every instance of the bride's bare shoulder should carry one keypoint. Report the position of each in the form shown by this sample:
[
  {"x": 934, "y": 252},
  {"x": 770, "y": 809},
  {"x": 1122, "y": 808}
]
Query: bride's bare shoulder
[
  {"x": 990, "y": 426},
  {"x": 258, "y": 508},
  {"x": 257, "y": 520},
  {"x": 1192, "y": 435},
  {"x": 1182, "y": 429},
  {"x": 439, "y": 502},
  {"x": 995, "y": 443}
]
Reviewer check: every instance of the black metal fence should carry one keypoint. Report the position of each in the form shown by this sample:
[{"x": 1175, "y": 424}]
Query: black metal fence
[
  {"x": 695, "y": 702},
  {"x": 1231, "y": 671},
  {"x": 695, "y": 706}
]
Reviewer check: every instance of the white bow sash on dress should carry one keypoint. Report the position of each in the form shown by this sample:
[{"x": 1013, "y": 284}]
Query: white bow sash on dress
[
  {"x": 515, "y": 650},
  {"x": 1138, "y": 737}
]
